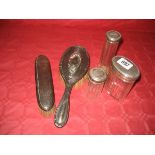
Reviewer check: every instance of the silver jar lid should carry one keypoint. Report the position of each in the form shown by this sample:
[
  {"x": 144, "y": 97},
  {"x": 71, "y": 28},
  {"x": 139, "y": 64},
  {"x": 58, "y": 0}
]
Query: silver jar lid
[
  {"x": 113, "y": 36},
  {"x": 97, "y": 75},
  {"x": 126, "y": 68}
]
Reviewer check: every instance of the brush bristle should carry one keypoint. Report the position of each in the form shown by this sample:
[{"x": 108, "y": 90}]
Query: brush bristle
[
  {"x": 78, "y": 84},
  {"x": 48, "y": 113}
]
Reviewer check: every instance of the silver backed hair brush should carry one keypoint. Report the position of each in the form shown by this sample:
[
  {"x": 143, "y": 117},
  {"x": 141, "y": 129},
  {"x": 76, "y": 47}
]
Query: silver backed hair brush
[{"x": 73, "y": 66}]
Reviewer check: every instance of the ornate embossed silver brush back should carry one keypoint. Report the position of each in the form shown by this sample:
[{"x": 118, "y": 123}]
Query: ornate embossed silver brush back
[{"x": 73, "y": 66}]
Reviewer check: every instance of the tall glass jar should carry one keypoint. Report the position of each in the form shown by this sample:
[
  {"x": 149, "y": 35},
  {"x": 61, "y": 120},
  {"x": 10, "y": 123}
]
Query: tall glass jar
[
  {"x": 109, "y": 51},
  {"x": 123, "y": 74}
]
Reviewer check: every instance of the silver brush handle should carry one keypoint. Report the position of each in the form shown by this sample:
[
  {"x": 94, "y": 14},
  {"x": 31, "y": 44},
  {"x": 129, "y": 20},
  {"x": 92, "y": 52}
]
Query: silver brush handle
[{"x": 62, "y": 112}]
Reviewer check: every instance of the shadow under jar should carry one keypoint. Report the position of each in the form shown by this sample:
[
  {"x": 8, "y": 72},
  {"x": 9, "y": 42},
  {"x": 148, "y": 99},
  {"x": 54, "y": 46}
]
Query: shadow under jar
[{"x": 122, "y": 76}]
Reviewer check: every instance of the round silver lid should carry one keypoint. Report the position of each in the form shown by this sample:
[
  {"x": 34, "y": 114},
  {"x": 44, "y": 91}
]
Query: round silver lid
[
  {"x": 113, "y": 36},
  {"x": 97, "y": 75},
  {"x": 125, "y": 67}
]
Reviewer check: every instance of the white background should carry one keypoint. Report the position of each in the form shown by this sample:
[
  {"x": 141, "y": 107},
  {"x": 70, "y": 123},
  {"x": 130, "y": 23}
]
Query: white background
[{"x": 77, "y": 9}]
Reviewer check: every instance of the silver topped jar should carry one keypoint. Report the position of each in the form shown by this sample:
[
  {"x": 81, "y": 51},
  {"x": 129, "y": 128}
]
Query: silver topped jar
[
  {"x": 113, "y": 39},
  {"x": 122, "y": 75},
  {"x": 97, "y": 77}
]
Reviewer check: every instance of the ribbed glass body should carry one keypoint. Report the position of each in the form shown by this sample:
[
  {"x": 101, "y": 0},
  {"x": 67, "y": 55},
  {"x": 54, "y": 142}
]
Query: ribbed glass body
[
  {"x": 94, "y": 89},
  {"x": 113, "y": 39},
  {"x": 117, "y": 86},
  {"x": 108, "y": 52},
  {"x": 97, "y": 77}
]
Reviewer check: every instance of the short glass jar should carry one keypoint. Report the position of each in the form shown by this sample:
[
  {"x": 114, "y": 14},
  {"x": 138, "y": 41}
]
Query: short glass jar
[{"x": 97, "y": 77}]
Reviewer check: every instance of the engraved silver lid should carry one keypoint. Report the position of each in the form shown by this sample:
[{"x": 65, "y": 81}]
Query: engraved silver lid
[
  {"x": 126, "y": 68},
  {"x": 97, "y": 75},
  {"x": 113, "y": 36}
]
